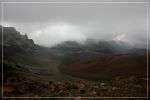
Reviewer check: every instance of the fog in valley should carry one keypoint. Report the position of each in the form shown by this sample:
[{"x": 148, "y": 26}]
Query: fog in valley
[{"x": 49, "y": 24}]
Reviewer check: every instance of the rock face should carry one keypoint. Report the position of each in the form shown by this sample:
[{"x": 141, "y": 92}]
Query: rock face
[{"x": 14, "y": 42}]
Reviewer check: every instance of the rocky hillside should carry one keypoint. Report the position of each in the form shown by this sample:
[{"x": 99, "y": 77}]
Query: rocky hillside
[
  {"x": 34, "y": 59},
  {"x": 14, "y": 42}
]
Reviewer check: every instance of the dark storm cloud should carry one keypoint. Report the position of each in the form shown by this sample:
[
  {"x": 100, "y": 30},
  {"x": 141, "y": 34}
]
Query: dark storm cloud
[{"x": 48, "y": 24}]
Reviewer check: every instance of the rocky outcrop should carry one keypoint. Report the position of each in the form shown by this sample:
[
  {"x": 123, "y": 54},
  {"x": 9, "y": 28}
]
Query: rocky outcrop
[{"x": 14, "y": 42}]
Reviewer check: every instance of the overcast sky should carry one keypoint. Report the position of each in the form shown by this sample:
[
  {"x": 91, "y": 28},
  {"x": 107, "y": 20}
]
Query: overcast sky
[{"x": 52, "y": 23}]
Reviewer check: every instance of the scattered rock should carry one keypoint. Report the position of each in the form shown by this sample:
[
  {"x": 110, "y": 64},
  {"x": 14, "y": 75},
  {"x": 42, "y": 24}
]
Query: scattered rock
[
  {"x": 8, "y": 89},
  {"x": 114, "y": 88},
  {"x": 81, "y": 86},
  {"x": 96, "y": 87},
  {"x": 104, "y": 88},
  {"x": 22, "y": 88},
  {"x": 36, "y": 96},
  {"x": 51, "y": 87},
  {"x": 102, "y": 84},
  {"x": 117, "y": 78},
  {"x": 93, "y": 93},
  {"x": 75, "y": 88}
]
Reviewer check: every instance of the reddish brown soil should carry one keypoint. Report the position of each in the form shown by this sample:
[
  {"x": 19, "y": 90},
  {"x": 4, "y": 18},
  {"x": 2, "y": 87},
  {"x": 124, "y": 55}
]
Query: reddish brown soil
[{"x": 109, "y": 66}]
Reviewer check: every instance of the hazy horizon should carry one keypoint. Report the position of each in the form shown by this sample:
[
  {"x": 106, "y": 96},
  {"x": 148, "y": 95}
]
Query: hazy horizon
[{"x": 50, "y": 24}]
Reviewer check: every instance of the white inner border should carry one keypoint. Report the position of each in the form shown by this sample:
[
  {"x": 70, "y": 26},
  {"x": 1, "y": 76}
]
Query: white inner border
[{"x": 2, "y": 2}]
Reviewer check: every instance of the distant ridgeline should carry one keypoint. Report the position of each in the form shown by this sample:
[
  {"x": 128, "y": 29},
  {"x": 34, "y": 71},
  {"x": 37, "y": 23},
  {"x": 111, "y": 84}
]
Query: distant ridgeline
[
  {"x": 67, "y": 51},
  {"x": 71, "y": 51}
]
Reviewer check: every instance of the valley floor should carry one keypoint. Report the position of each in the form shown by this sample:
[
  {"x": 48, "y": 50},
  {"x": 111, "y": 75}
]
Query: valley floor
[{"x": 18, "y": 86}]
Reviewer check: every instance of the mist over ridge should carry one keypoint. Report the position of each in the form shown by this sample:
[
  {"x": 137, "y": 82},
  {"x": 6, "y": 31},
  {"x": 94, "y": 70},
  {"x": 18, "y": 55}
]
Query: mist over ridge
[{"x": 51, "y": 24}]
